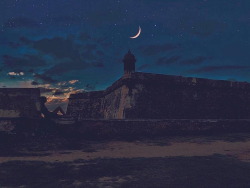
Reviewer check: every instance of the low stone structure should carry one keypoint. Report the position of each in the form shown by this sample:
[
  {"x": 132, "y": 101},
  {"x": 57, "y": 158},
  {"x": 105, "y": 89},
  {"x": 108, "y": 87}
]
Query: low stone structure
[
  {"x": 127, "y": 129},
  {"x": 20, "y": 102},
  {"x": 138, "y": 95}
]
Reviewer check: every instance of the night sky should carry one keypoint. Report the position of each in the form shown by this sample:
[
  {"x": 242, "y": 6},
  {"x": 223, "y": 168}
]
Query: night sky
[{"x": 67, "y": 46}]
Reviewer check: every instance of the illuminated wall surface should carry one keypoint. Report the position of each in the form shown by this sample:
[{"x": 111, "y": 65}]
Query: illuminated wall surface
[{"x": 156, "y": 96}]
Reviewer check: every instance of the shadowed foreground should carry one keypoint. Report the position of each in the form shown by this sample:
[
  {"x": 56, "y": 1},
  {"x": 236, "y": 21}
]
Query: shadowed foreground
[
  {"x": 211, "y": 171},
  {"x": 201, "y": 161}
]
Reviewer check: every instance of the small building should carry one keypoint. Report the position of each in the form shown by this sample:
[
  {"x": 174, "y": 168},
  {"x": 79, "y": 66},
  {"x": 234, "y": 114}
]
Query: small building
[
  {"x": 19, "y": 102},
  {"x": 138, "y": 95}
]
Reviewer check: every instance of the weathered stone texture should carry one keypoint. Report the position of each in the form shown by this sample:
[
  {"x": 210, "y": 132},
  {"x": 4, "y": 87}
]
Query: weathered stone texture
[
  {"x": 19, "y": 102},
  {"x": 155, "y": 96},
  {"x": 127, "y": 129}
]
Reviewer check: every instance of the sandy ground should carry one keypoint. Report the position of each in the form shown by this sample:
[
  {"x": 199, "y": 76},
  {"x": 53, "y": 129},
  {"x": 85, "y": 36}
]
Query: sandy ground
[
  {"x": 146, "y": 149},
  {"x": 204, "y": 161}
]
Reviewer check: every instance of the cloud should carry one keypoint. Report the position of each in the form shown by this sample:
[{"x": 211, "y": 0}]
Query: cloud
[
  {"x": 25, "y": 40},
  {"x": 195, "y": 61},
  {"x": 58, "y": 47},
  {"x": 167, "y": 60},
  {"x": 73, "y": 81},
  {"x": 217, "y": 68},
  {"x": 99, "y": 53},
  {"x": 44, "y": 78},
  {"x": 54, "y": 56},
  {"x": 58, "y": 92},
  {"x": 55, "y": 101},
  {"x": 12, "y": 77},
  {"x": 14, "y": 45},
  {"x": 207, "y": 27},
  {"x": 68, "y": 66},
  {"x": 16, "y": 73},
  {"x": 59, "y": 97},
  {"x": 97, "y": 64},
  {"x": 104, "y": 16},
  {"x": 67, "y": 54},
  {"x": 34, "y": 83},
  {"x": 156, "y": 49},
  {"x": 65, "y": 20},
  {"x": 67, "y": 84},
  {"x": 20, "y": 22},
  {"x": 88, "y": 53},
  {"x": 142, "y": 67},
  {"x": 24, "y": 62},
  {"x": 84, "y": 36},
  {"x": 45, "y": 89}
]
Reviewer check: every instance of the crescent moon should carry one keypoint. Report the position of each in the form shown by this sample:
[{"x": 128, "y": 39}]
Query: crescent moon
[{"x": 138, "y": 34}]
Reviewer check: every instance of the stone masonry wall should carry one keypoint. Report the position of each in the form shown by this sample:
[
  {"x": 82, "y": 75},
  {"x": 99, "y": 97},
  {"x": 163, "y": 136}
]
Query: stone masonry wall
[
  {"x": 19, "y": 102},
  {"x": 189, "y": 98},
  {"x": 152, "y": 96}
]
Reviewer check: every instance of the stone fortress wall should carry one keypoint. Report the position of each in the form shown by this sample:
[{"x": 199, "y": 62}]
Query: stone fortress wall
[
  {"x": 157, "y": 96},
  {"x": 19, "y": 102}
]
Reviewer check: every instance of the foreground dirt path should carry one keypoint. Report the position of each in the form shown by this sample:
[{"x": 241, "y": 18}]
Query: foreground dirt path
[
  {"x": 164, "y": 147},
  {"x": 176, "y": 162}
]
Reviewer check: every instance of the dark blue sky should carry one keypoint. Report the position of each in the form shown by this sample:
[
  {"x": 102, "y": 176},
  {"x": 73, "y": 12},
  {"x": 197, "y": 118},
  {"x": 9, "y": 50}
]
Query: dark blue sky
[{"x": 66, "y": 45}]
